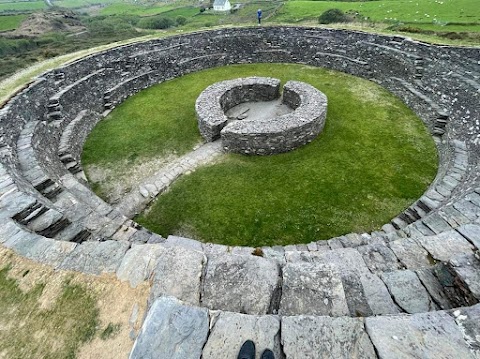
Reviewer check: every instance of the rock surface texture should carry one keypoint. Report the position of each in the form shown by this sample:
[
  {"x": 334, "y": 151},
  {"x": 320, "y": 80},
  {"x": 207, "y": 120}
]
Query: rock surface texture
[{"x": 409, "y": 290}]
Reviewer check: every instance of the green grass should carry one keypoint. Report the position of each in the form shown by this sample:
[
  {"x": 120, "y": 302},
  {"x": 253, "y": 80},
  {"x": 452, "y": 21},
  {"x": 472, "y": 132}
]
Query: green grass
[
  {"x": 22, "y": 6},
  {"x": 81, "y": 3},
  {"x": 140, "y": 126},
  {"x": 131, "y": 9},
  {"x": 10, "y": 22},
  {"x": 29, "y": 331},
  {"x": 372, "y": 160},
  {"x": 418, "y": 11}
]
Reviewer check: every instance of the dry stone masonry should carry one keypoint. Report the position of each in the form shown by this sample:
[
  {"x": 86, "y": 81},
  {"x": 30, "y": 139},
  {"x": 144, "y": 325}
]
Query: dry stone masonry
[
  {"x": 409, "y": 290},
  {"x": 261, "y": 136}
]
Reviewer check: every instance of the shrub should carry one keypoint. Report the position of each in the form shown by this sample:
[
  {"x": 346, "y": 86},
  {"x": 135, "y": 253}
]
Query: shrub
[
  {"x": 333, "y": 15},
  {"x": 156, "y": 22},
  {"x": 181, "y": 20}
]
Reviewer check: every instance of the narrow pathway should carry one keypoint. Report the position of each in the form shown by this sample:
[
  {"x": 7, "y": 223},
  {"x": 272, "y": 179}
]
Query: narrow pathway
[{"x": 136, "y": 201}]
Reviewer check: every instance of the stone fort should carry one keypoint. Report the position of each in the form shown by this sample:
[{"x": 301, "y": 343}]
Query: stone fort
[{"x": 409, "y": 290}]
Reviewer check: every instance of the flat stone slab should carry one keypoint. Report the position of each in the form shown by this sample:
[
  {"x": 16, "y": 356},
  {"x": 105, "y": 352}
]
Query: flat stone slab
[
  {"x": 139, "y": 263},
  {"x": 471, "y": 232},
  {"x": 468, "y": 320},
  {"x": 423, "y": 335},
  {"x": 178, "y": 273},
  {"x": 244, "y": 284},
  {"x": 231, "y": 330},
  {"x": 365, "y": 292},
  {"x": 96, "y": 257},
  {"x": 311, "y": 288},
  {"x": 325, "y": 337},
  {"x": 446, "y": 245},
  {"x": 408, "y": 292},
  {"x": 379, "y": 257},
  {"x": 34, "y": 246},
  {"x": 45, "y": 220},
  {"x": 433, "y": 286},
  {"x": 410, "y": 253},
  {"x": 172, "y": 330}
]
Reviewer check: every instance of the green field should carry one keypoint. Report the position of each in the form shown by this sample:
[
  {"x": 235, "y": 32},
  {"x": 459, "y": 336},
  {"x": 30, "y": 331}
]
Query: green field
[
  {"x": 10, "y": 22},
  {"x": 439, "y": 12},
  {"x": 373, "y": 159},
  {"x": 22, "y": 6},
  {"x": 131, "y": 9}
]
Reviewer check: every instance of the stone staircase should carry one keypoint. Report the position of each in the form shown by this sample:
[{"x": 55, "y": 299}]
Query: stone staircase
[{"x": 408, "y": 290}]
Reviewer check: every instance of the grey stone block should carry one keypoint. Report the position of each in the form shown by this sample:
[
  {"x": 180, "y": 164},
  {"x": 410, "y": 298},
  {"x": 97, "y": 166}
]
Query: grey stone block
[
  {"x": 244, "y": 284},
  {"x": 310, "y": 288},
  {"x": 139, "y": 262},
  {"x": 355, "y": 295},
  {"x": 231, "y": 330},
  {"x": 436, "y": 223},
  {"x": 407, "y": 291},
  {"x": 472, "y": 233},
  {"x": 172, "y": 330},
  {"x": 277, "y": 253},
  {"x": 446, "y": 245},
  {"x": 423, "y": 335},
  {"x": 434, "y": 288},
  {"x": 377, "y": 295},
  {"x": 214, "y": 249},
  {"x": 96, "y": 257},
  {"x": 312, "y": 337},
  {"x": 453, "y": 217},
  {"x": 178, "y": 273},
  {"x": 188, "y": 243},
  {"x": 45, "y": 220},
  {"x": 468, "y": 321},
  {"x": 348, "y": 263},
  {"x": 410, "y": 253},
  {"x": 378, "y": 257},
  {"x": 468, "y": 209}
]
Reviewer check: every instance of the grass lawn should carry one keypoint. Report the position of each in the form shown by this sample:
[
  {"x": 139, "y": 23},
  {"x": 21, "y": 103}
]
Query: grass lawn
[
  {"x": 10, "y": 22},
  {"x": 419, "y": 11},
  {"x": 373, "y": 159}
]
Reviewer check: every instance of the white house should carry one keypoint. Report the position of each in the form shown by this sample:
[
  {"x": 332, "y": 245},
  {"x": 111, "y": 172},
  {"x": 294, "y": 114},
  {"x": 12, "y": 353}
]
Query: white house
[{"x": 221, "y": 5}]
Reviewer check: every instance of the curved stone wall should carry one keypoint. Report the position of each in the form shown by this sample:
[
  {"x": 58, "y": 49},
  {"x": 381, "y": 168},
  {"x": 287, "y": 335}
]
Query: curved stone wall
[
  {"x": 218, "y": 98},
  {"x": 261, "y": 136},
  {"x": 424, "y": 263}
]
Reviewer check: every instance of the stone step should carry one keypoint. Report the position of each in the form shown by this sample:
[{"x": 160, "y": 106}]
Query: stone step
[
  {"x": 33, "y": 211},
  {"x": 175, "y": 329},
  {"x": 74, "y": 233}
]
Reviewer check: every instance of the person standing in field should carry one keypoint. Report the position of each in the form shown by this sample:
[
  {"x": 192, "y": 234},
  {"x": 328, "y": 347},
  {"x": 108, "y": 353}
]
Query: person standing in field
[{"x": 259, "y": 16}]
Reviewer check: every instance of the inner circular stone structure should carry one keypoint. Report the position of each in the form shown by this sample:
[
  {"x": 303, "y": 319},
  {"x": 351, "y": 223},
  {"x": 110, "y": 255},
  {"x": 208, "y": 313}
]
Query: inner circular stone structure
[{"x": 261, "y": 136}]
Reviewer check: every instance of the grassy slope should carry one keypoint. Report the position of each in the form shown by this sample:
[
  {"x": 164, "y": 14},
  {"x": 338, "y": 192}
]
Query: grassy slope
[
  {"x": 10, "y": 22},
  {"x": 373, "y": 159},
  {"x": 418, "y": 11},
  {"x": 73, "y": 319}
]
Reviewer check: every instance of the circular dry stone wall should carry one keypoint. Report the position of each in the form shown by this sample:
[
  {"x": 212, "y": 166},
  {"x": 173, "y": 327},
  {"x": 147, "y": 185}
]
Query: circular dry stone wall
[{"x": 261, "y": 136}]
